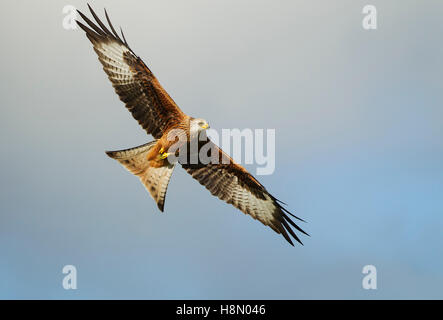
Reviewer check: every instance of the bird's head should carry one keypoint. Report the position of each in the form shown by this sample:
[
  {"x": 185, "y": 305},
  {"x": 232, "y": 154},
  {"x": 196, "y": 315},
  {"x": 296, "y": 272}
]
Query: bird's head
[{"x": 197, "y": 127}]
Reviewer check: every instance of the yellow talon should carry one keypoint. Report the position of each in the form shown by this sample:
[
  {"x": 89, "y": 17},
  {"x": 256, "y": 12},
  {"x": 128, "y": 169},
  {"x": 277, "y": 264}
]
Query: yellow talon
[
  {"x": 162, "y": 150},
  {"x": 164, "y": 155}
]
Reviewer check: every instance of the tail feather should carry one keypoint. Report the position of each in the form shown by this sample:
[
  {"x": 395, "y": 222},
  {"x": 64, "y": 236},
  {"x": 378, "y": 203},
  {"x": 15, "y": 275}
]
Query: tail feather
[{"x": 155, "y": 179}]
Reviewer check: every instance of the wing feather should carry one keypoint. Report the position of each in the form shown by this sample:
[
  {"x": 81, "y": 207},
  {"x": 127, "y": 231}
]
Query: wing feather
[
  {"x": 133, "y": 81},
  {"x": 233, "y": 184}
]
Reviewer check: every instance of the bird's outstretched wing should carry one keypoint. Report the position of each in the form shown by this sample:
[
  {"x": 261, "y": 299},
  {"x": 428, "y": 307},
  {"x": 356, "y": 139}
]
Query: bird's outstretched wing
[
  {"x": 135, "y": 84},
  {"x": 233, "y": 184}
]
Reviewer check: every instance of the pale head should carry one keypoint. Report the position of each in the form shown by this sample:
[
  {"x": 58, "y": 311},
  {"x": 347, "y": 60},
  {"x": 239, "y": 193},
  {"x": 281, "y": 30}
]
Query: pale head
[{"x": 196, "y": 126}]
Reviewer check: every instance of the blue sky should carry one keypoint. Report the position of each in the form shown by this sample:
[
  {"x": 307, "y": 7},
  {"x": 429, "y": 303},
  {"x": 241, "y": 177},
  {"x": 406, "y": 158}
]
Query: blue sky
[{"x": 358, "y": 119}]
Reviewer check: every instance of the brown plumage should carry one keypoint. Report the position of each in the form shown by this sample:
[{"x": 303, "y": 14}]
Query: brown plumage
[{"x": 158, "y": 114}]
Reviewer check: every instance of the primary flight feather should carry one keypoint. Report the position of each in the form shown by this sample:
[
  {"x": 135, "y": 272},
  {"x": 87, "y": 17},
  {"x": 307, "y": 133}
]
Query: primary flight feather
[{"x": 159, "y": 115}]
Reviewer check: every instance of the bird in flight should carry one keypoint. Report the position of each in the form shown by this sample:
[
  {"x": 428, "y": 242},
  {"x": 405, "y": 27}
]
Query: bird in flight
[{"x": 159, "y": 115}]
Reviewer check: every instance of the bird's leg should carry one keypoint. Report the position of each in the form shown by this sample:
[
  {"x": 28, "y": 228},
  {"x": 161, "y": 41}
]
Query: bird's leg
[{"x": 163, "y": 154}]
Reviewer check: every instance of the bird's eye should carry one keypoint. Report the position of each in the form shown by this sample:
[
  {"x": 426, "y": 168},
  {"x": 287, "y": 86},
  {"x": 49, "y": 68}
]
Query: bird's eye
[{"x": 201, "y": 123}]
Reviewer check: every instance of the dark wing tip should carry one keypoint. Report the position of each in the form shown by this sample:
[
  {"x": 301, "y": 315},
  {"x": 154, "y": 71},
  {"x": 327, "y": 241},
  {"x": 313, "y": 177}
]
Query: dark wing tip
[
  {"x": 288, "y": 228},
  {"x": 111, "y": 26},
  {"x": 123, "y": 36},
  {"x": 279, "y": 203},
  {"x": 288, "y": 219},
  {"x": 285, "y": 223},
  {"x": 99, "y": 28},
  {"x": 110, "y": 154},
  {"x": 286, "y": 236}
]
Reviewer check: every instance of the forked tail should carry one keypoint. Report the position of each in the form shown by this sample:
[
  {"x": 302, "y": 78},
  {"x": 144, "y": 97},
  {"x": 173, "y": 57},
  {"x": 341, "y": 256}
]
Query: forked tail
[{"x": 155, "y": 179}]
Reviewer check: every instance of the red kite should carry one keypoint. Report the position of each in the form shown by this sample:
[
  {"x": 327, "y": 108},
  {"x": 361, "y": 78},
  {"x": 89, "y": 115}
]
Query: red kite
[{"x": 158, "y": 114}]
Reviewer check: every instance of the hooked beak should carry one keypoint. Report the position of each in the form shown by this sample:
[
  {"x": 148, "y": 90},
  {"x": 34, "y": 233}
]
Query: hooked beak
[{"x": 205, "y": 126}]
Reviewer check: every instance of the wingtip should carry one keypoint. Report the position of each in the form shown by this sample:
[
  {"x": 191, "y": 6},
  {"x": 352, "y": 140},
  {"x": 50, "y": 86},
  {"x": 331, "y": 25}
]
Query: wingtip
[
  {"x": 90, "y": 9},
  {"x": 81, "y": 14},
  {"x": 161, "y": 206},
  {"x": 110, "y": 154},
  {"x": 293, "y": 215}
]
